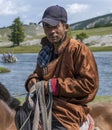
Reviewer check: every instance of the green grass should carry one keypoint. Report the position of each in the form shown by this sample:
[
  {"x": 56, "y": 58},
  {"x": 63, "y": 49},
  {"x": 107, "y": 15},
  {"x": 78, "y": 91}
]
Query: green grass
[
  {"x": 99, "y": 49},
  {"x": 95, "y": 31},
  {"x": 36, "y": 49},
  {"x": 4, "y": 70},
  {"x": 22, "y": 100},
  {"x": 21, "y": 49},
  {"x": 102, "y": 99}
]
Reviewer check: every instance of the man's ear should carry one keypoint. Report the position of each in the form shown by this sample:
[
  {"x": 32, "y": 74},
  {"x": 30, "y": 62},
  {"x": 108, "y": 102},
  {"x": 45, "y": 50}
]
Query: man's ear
[{"x": 66, "y": 27}]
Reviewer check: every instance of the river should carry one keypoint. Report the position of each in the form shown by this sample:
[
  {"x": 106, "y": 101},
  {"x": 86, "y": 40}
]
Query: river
[{"x": 15, "y": 80}]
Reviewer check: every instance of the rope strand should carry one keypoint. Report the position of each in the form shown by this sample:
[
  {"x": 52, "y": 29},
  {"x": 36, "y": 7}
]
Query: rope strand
[{"x": 42, "y": 108}]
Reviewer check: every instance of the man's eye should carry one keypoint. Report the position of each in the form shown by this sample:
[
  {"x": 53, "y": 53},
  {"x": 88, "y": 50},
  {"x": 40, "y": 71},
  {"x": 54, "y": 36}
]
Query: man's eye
[{"x": 45, "y": 25}]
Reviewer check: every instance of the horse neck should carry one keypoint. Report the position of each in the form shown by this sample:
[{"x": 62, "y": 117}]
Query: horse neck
[{"x": 7, "y": 117}]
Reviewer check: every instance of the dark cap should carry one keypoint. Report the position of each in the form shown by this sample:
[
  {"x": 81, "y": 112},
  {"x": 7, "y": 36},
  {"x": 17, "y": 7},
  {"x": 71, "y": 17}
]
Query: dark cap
[{"x": 53, "y": 15}]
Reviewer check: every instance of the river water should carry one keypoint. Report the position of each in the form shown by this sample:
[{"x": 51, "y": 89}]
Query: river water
[{"x": 15, "y": 80}]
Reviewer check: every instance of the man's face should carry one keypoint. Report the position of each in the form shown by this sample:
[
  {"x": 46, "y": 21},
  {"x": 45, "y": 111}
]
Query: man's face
[{"x": 55, "y": 34}]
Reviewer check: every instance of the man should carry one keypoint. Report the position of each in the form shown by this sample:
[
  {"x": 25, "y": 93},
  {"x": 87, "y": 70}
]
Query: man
[{"x": 69, "y": 66}]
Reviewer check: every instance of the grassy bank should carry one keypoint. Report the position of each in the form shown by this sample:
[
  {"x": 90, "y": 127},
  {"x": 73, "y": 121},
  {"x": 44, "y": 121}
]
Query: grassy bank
[
  {"x": 102, "y": 99},
  {"x": 95, "y": 31},
  {"x": 4, "y": 70},
  {"x": 36, "y": 48},
  {"x": 21, "y": 49},
  {"x": 99, "y": 49}
]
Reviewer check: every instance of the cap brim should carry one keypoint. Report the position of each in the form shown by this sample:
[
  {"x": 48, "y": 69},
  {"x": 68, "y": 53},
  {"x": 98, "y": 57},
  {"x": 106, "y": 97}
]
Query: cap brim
[{"x": 49, "y": 21}]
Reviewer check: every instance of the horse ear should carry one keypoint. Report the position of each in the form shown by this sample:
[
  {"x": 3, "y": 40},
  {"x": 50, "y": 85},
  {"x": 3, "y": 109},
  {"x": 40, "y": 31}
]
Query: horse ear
[{"x": 6, "y": 97}]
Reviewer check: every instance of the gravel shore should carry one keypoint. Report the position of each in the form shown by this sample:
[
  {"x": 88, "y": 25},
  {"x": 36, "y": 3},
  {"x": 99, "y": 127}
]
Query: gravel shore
[{"x": 105, "y": 40}]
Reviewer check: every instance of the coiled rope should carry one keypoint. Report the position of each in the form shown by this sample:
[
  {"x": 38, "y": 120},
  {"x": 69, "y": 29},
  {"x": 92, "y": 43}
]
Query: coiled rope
[{"x": 41, "y": 107}]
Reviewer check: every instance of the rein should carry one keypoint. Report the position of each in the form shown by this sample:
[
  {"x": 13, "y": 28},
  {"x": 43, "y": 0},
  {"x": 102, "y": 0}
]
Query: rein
[
  {"x": 25, "y": 121},
  {"x": 19, "y": 95},
  {"x": 42, "y": 108},
  {"x": 36, "y": 107}
]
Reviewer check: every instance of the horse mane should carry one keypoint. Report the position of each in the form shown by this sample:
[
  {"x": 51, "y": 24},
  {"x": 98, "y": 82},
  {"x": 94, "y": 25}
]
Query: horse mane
[{"x": 7, "y": 98}]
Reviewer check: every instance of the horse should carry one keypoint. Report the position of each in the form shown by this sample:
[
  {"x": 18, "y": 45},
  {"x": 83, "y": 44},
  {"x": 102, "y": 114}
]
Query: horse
[
  {"x": 7, "y": 117},
  {"x": 100, "y": 112},
  {"x": 102, "y": 115},
  {"x": 8, "y": 105}
]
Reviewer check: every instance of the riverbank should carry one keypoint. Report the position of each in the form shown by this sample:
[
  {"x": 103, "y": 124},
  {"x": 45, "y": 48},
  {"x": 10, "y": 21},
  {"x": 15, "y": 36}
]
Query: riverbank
[
  {"x": 21, "y": 49},
  {"x": 36, "y": 49},
  {"x": 102, "y": 99}
]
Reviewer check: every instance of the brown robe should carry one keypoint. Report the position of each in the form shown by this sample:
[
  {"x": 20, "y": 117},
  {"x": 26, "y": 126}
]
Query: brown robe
[{"x": 77, "y": 74}]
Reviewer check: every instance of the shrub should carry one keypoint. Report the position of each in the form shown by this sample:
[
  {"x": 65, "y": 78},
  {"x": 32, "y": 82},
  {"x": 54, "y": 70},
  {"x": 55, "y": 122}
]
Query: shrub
[{"x": 81, "y": 36}]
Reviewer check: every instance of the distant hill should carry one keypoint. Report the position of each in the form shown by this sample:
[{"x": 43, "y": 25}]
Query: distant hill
[
  {"x": 30, "y": 30},
  {"x": 97, "y": 36},
  {"x": 101, "y": 21}
]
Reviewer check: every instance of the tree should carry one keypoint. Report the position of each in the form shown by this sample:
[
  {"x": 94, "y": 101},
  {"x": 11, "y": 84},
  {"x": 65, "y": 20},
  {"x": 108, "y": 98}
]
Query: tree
[
  {"x": 81, "y": 36},
  {"x": 17, "y": 32}
]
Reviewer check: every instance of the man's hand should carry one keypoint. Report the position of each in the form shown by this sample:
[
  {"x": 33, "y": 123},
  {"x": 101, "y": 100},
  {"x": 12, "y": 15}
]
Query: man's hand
[{"x": 31, "y": 83}]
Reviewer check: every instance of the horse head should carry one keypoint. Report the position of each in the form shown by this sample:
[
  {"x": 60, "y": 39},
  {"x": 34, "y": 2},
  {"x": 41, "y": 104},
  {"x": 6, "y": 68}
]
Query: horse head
[
  {"x": 7, "y": 117},
  {"x": 7, "y": 98}
]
